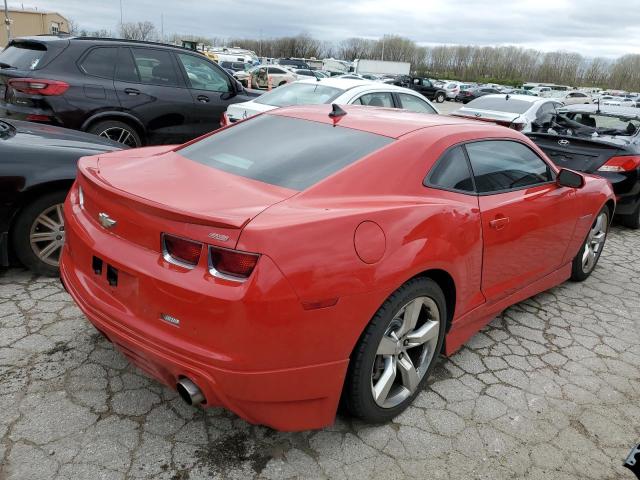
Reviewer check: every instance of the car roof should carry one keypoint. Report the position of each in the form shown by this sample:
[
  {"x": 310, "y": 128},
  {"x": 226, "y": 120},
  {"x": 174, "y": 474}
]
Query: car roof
[
  {"x": 594, "y": 108},
  {"x": 390, "y": 122},
  {"x": 350, "y": 84}
]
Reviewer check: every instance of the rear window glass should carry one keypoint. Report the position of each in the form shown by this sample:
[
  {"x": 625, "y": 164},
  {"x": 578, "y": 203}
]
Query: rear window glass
[
  {"x": 24, "y": 56},
  {"x": 299, "y": 94},
  {"x": 287, "y": 152},
  {"x": 500, "y": 104}
]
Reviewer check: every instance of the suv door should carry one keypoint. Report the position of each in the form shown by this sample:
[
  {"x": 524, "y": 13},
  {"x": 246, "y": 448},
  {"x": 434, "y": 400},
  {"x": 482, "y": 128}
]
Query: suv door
[
  {"x": 211, "y": 91},
  {"x": 527, "y": 219},
  {"x": 150, "y": 87},
  {"x": 98, "y": 90}
]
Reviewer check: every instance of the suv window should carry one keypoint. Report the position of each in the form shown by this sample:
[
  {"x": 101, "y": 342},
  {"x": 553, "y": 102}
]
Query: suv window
[
  {"x": 300, "y": 152},
  {"x": 155, "y": 67},
  {"x": 126, "y": 70},
  {"x": 378, "y": 99},
  {"x": 452, "y": 172},
  {"x": 24, "y": 55},
  {"x": 502, "y": 165},
  {"x": 99, "y": 62},
  {"x": 202, "y": 75},
  {"x": 415, "y": 104}
]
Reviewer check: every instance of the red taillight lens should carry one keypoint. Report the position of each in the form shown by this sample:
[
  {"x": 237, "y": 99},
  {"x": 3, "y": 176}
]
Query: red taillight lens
[
  {"x": 624, "y": 163},
  {"x": 232, "y": 262},
  {"x": 181, "y": 251},
  {"x": 224, "y": 120},
  {"x": 36, "y": 86}
]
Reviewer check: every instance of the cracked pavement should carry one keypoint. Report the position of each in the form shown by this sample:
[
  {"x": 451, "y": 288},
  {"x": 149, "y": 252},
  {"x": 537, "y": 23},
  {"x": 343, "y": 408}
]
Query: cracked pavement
[{"x": 550, "y": 389}]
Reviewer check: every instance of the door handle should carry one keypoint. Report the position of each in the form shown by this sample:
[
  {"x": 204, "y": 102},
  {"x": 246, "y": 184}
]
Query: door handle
[
  {"x": 203, "y": 98},
  {"x": 499, "y": 222},
  {"x": 131, "y": 91}
]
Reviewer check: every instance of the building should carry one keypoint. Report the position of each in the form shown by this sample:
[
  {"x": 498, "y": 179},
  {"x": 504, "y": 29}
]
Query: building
[{"x": 31, "y": 22}]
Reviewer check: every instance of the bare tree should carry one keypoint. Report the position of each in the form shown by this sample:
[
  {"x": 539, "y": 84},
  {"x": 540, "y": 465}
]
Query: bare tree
[{"x": 139, "y": 31}]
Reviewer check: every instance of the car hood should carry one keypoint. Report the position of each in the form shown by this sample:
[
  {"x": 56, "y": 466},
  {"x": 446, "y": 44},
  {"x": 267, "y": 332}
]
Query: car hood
[
  {"x": 169, "y": 185},
  {"x": 240, "y": 111},
  {"x": 50, "y": 137}
]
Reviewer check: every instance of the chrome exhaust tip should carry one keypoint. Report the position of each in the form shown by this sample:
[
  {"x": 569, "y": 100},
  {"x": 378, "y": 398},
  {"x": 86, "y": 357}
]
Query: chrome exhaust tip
[{"x": 189, "y": 392}]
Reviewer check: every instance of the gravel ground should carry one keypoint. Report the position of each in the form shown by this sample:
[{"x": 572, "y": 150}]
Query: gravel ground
[{"x": 549, "y": 390}]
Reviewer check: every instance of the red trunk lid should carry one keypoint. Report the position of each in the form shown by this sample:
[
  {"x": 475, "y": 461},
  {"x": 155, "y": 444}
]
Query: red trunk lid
[{"x": 165, "y": 192}]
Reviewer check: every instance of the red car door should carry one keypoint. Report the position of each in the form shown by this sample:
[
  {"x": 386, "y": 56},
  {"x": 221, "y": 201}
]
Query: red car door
[{"x": 527, "y": 219}]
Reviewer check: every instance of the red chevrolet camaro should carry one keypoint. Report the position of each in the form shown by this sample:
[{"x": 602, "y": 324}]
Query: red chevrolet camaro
[{"x": 312, "y": 253}]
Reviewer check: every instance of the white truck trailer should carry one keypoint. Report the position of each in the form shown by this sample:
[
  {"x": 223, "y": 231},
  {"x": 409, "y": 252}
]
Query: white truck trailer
[{"x": 381, "y": 67}]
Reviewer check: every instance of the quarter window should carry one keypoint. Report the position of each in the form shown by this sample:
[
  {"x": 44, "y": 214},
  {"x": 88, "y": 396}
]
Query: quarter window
[
  {"x": 202, "y": 75},
  {"x": 155, "y": 67},
  {"x": 415, "y": 104},
  {"x": 451, "y": 172},
  {"x": 502, "y": 165},
  {"x": 99, "y": 62}
]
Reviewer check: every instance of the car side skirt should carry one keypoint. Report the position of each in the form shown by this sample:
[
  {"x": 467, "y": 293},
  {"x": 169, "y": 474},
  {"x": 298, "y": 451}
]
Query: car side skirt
[{"x": 465, "y": 327}]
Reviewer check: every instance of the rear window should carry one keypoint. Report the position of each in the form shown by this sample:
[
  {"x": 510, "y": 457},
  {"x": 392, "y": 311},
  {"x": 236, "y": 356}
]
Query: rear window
[
  {"x": 500, "y": 104},
  {"x": 287, "y": 152},
  {"x": 299, "y": 94},
  {"x": 24, "y": 56}
]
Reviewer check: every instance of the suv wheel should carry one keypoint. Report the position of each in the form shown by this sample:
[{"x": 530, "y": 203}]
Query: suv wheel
[
  {"x": 118, "y": 132},
  {"x": 440, "y": 97}
]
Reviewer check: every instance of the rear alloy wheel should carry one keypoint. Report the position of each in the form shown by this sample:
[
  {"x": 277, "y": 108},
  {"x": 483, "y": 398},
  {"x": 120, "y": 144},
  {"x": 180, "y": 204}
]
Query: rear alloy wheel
[
  {"x": 396, "y": 352},
  {"x": 440, "y": 97},
  {"x": 38, "y": 235},
  {"x": 587, "y": 258},
  {"x": 118, "y": 132}
]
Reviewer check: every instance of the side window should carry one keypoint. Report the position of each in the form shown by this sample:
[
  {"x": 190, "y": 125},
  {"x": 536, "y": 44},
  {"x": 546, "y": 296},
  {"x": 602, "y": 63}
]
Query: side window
[
  {"x": 451, "y": 172},
  {"x": 155, "y": 67},
  {"x": 378, "y": 99},
  {"x": 544, "y": 113},
  {"x": 276, "y": 71},
  {"x": 501, "y": 165},
  {"x": 415, "y": 104},
  {"x": 202, "y": 75},
  {"x": 99, "y": 62},
  {"x": 126, "y": 70}
]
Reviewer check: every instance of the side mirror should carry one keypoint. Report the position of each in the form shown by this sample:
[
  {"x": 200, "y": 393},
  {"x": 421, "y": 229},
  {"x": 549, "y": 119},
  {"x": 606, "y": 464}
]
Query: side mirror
[{"x": 569, "y": 178}]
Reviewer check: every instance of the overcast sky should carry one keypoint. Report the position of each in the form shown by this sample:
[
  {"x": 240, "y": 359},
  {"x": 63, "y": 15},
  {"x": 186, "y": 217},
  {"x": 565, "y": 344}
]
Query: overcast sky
[{"x": 590, "y": 27}]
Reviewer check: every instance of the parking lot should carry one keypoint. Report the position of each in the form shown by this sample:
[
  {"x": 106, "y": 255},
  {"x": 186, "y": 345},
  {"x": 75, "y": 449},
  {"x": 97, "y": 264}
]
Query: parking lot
[{"x": 550, "y": 389}]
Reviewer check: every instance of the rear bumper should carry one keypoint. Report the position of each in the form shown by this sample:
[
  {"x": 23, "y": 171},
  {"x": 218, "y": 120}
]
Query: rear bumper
[{"x": 225, "y": 336}]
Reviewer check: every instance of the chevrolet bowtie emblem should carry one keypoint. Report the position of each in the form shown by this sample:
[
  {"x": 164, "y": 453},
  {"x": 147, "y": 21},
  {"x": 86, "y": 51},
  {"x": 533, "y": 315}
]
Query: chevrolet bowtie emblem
[{"x": 105, "y": 220}]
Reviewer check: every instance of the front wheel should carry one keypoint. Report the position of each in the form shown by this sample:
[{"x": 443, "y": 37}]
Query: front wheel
[
  {"x": 118, "y": 132},
  {"x": 587, "y": 258},
  {"x": 440, "y": 97},
  {"x": 396, "y": 352}
]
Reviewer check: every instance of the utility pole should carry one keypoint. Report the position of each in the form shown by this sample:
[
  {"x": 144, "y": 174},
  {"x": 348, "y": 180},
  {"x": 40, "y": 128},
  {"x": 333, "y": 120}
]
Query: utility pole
[
  {"x": 162, "y": 27},
  {"x": 121, "y": 16},
  {"x": 383, "y": 37},
  {"x": 7, "y": 21}
]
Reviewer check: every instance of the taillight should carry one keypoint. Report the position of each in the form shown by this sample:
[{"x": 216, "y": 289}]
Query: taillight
[
  {"x": 224, "y": 119},
  {"x": 180, "y": 251},
  {"x": 232, "y": 263},
  {"x": 36, "y": 86},
  {"x": 624, "y": 163}
]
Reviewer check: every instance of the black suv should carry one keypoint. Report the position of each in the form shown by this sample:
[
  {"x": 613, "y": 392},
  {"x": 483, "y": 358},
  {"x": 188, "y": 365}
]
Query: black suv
[
  {"x": 136, "y": 93},
  {"x": 294, "y": 62}
]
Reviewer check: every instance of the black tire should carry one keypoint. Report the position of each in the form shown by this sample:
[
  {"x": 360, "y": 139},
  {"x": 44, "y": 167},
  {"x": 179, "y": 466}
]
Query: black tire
[
  {"x": 118, "y": 132},
  {"x": 21, "y": 233},
  {"x": 440, "y": 97},
  {"x": 632, "y": 220},
  {"x": 580, "y": 271},
  {"x": 282, "y": 83},
  {"x": 357, "y": 394}
]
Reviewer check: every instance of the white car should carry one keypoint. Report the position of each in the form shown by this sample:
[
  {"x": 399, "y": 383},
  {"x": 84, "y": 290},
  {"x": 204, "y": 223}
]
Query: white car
[
  {"x": 571, "y": 97},
  {"x": 263, "y": 75},
  {"x": 342, "y": 91},
  {"x": 519, "y": 112},
  {"x": 541, "y": 91},
  {"x": 615, "y": 101},
  {"x": 453, "y": 89}
]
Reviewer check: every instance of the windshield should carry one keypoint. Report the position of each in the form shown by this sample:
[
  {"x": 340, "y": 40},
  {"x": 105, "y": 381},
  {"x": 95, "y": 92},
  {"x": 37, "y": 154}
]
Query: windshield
[
  {"x": 500, "y": 104},
  {"x": 590, "y": 123},
  {"x": 23, "y": 56},
  {"x": 288, "y": 152},
  {"x": 299, "y": 94}
]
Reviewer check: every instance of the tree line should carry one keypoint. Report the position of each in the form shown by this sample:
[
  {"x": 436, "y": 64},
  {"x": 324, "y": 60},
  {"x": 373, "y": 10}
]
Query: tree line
[{"x": 503, "y": 64}]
